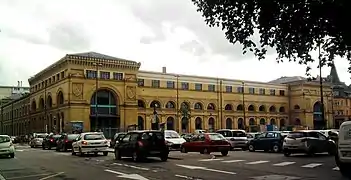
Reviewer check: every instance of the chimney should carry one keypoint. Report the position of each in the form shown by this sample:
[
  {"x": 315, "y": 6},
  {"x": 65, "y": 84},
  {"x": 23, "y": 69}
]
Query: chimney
[
  {"x": 164, "y": 70},
  {"x": 18, "y": 83},
  {"x": 21, "y": 83}
]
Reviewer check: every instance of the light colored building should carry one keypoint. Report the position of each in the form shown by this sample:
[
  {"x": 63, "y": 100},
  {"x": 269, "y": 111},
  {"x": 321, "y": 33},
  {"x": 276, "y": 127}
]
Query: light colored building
[
  {"x": 112, "y": 94},
  {"x": 8, "y": 91}
]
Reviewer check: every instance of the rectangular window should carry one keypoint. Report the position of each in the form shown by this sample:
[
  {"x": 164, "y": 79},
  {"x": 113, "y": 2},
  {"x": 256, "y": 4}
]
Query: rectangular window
[
  {"x": 118, "y": 76},
  {"x": 281, "y": 92},
  {"x": 185, "y": 86},
  {"x": 198, "y": 87},
  {"x": 240, "y": 89},
  {"x": 58, "y": 77},
  {"x": 170, "y": 84},
  {"x": 252, "y": 90},
  {"x": 141, "y": 82},
  {"x": 262, "y": 91},
  {"x": 62, "y": 74},
  {"x": 104, "y": 75},
  {"x": 155, "y": 83},
  {"x": 211, "y": 87},
  {"x": 90, "y": 74},
  {"x": 228, "y": 89},
  {"x": 272, "y": 92}
]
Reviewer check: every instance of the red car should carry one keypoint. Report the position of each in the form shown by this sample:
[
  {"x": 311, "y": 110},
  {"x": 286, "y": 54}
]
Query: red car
[{"x": 206, "y": 143}]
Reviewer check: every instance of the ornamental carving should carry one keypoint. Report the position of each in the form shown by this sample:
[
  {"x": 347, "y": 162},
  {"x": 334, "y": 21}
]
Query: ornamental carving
[
  {"x": 131, "y": 92},
  {"x": 130, "y": 77},
  {"x": 77, "y": 90}
]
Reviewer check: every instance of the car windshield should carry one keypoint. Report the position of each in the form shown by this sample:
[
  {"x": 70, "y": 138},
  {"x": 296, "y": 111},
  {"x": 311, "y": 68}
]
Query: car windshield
[
  {"x": 4, "y": 139},
  {"x": 152, "y": 136},
  {"x": 41, "y": 135},
  {"x": 226, "y": 133},
  {"x": 249, "y": 136},
  {"x": 296, "y": 135},
  {"x": 72, "y": 136},
  {"x": 171, "y": 134},
  {"x": 56, "y": 136},
  {"x": 94, "y": 137},
  {"x": 216, "y": 137},
  {"x": 239, "y": 134}
]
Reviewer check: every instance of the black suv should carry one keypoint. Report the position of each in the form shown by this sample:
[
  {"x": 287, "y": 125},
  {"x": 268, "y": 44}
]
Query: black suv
[
  {"x": 50, "y": 141},
  {"x": 142, "y": 144},
  {"x": 115, "y": 138}
]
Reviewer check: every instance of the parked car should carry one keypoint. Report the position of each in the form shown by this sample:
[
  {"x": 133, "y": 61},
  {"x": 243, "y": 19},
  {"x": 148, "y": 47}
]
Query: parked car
[
  {"x": 237, "y": 138},
  {"x": 90, "y": 142},
  {"x": 173, "y": 140},
  {"x": 50, "y": 141},
  {"x": 207, "y": 143},
  {"x": 115, "y": 138},
  {"x": 267, "y": 141},
  {"x": 142, "y": 144},
  {"x": 65, "y": 142},
  {"x": 343, "y": 155},
  {"x": 252, "y": 135},
  {"x": 187, "y": 136},
  {"x": 199, "y": 131},
  {"x": 6, "y": 146},
  {"x": 37, "y": 140},
  {"x": 309, "y": 142}
]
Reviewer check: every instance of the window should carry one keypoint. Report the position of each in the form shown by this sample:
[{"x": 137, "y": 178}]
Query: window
[
  {"x": 228, "y": 89},
  {"x": 62, "y": 74},
  {"x": 216, "y": 137},
  {"x": 272, "y": 92},
  {"x": 94, "y": 137},
  {"x": 126, "y": 138},
  {"x": 198, "y": 87},
  {"x": 263, "y": 135},
  {"x": 170, "y": 84},
  {"x": 117, "y": 76},
  {"x": 225, "y": 133},
  {"x": 53, "y": 78},
  {"x": 252, "y": 90},
  {"x": 171, "y": 134},
  {"x": 185, "y": 86},
  {"x": 104, "y": 75},
  {"x": 239, "y": 134},
  {"x": 211, "y": 87},
  {"x": 90, "y": 74},
  {"x": 58, "y": 76},
  {"x": 140, "y": 82},
  {"x": 281, "y": 92},
  {"x": 271, "y": 135},
  {"x": 240, "y": 89},
  {"x": 262, "y": 91},
  {"x": 134, "y": 137},
  {"x": 155, "y": 83}
]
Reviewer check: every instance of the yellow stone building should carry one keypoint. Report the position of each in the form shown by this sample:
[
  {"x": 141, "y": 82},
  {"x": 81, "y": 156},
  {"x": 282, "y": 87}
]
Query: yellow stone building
[{"x": 64, "y": 95}]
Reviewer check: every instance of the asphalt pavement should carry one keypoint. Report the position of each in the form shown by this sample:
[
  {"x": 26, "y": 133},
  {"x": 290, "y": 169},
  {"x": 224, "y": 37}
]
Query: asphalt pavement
[{"x": 38, "y": 164}]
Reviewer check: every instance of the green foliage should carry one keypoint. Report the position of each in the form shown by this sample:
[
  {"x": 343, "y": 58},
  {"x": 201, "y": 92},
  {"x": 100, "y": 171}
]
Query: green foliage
[
  {"x": 293, "y": 28},
  {"x": 185, "y": 111}
]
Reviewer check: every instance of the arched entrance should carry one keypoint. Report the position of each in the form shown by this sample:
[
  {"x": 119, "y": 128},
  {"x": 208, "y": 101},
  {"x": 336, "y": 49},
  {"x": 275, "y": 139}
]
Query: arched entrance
[
  {"x": 140, "y": 123},
  {"x": 282, "y": 124},
  {"x": 272, "y": 122},
  {"x": 318, "y": 121},
  {"x": 211, "y": 124},
  {"x": 104, "y": 115},
  {"x": 228, "y": 123},
  {"x": 241, "y": 123},
  {"x": 185, "y": 124},
  {"x": 198, "y": 123},
  {"x": 170, "y": 123}
]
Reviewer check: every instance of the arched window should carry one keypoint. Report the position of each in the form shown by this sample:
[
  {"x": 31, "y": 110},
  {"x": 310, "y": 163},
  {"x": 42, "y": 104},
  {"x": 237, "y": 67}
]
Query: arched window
[
  {"x": 211, "y": 106},
  {"x": 198, "y": 123},
  {"x": 170, "y": 123},
  {"x": 170, "y": 105},
  {"x": 185, "y": 105},
  {"x": 296, "y": 107},
  {"x": 41, "y": 104},
  {"x": 103, "y": 102},
  {"x": 228, "y": 107},
  {"x": 262, "y": 121},
  {"x": 155, "y": 104},
  {"x": 251, "y": 108},
  {"x": 240, "y": 107},
  {"x": 252, "y": 122},
  {"x": 140, "y": 123},
  {"x": 60, "y": 99},
  {"x": 282, "y": 109},
  {"x": 272, "y": 109},
  {"x": 211, "y": 124},
  {"x": 262, "y": 108},
  {"x": 198, "y": 106},
  {"x": 229, "y": 123},
  {"x": 272, "y": 122}
]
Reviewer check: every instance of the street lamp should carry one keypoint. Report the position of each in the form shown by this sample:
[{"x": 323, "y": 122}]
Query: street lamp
[
  {"x": 97, "y": 65},
  {"x": 244, "y": 109},
  {"x": 321, "y": 85},
  {"x": 177, "y": 99},
  {"x": 155, "y": 124}
]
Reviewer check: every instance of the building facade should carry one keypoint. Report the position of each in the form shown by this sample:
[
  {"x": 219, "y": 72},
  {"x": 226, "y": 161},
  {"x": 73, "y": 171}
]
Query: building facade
[
  {"x": 8, "y": 91},
  {"x": 97, "y": 91}
]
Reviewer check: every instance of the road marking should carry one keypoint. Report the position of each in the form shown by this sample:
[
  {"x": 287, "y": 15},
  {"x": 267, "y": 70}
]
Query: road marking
[
  {"x": 205, "y": 169},
  {"x": 186, "y": 177},
  {"x": 233, "y": 161},
  {"x": 19, "y": 150},
  {"x": 284, "y": 164},
  {"x": 257, "y": 162},
  {"x": 336, "y": 169},
  {"x": 115, "y": 172},
  {"x": 275, "y": 177},
  {"x": 206, "y": 160},
  {"x": 312, "y": 165},
  {"x": 127, "y": 176},
  {"x": 21, "y": 177},
  {"x": 131, "y": 166},
  {"x": 2, "y": 177},
  {"x": 51, "y": 176}
]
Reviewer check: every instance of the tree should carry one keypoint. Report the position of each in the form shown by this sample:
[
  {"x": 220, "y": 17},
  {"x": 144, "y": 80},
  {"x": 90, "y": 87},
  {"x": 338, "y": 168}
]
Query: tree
[
  {"x": 293, "y": 28},
  {"x": 185, "y": 114}
]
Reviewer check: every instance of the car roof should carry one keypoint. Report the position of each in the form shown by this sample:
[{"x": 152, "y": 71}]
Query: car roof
[
  {"x": 143, "y": 131},
  {"x": 91, "y": 133},
  {"x": 4, "y": 135},
  {"x": 231, "y": 130}
]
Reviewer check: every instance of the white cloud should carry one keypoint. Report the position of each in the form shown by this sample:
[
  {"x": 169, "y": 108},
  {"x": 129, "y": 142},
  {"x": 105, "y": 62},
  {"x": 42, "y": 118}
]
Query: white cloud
[{"x": 157, "y": 33}]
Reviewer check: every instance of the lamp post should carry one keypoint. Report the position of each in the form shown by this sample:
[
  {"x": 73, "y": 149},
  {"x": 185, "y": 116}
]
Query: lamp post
[
  {"x": 244, "y": 109},
  {"x": 97, "y": 65},
  {"x": 155, "y": 124},
  {"x": 321, "y": 86},
  {"x": 45, "y": 109}
]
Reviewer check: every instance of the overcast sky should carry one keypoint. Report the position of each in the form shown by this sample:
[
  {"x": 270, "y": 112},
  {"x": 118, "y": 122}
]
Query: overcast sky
[{"x": 157, "y": 33}]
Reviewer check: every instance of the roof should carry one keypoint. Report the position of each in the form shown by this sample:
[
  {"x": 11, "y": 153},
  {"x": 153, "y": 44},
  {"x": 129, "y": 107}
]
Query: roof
[
  {"x": 92, "y": 54},
  {"x": 287, "y": 79}
]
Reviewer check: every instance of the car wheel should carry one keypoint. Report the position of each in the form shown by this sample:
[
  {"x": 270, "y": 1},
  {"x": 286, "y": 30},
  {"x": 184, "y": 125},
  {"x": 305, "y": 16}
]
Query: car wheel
[
  {"x": 95, "y": 153},
  {"x": 344, "y": 169},
  {"x": 105, "y": 153},
  {"x": 205, "y": 151},
  {"x": 164, "y": 157},
  {"x": 310, "y": 151},
  {"x": 224, "y": 153},
  {"x": 244, "y": 148},
  {"x": 43, "y": 146},
  {"x": 12, "y": 155},
  {"x": 183, "y": 150},
  {"x": 31, "y": 146},
  {"x": 135, "y": 156},
  {"x": 49, "y": 147},
  {"x": 117, "y": 155},
  {"x": 81, "y": 154},
  {"x": 73, "y": 153},
  {"x": 287, "y": 154},
  {"x": 275, "y": 148},
  {"x": 251, "y": 148},
  {"x": 64, "y": 149}
]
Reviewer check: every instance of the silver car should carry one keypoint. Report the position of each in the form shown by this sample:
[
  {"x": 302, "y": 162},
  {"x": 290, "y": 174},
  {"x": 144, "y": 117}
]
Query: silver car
[
  {"x": 37, "y": 140},
  {"x": 236, "y": 137}
]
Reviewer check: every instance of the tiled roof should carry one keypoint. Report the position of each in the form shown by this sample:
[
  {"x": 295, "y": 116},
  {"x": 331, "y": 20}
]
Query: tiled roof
[
  {"x": 98, "y": 55},
  {"x": 287, "y": 79}
]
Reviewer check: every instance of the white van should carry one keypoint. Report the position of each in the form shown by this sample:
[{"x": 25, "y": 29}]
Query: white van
[{"x": 343, "y": 157}]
